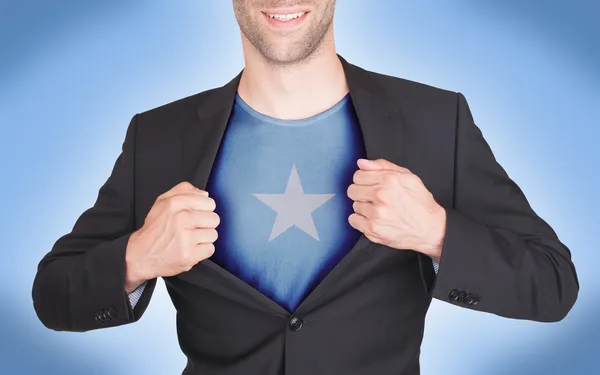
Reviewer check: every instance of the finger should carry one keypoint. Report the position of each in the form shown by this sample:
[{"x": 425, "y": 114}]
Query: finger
[
  {"x": 361, "y": 193},
  {"x": 358, "y": 222},
  {"x": 182, "y": 188},
  {"x": 203, "y": 235},
  {"x": 192, "y": 219},
  {"x": 380, "y": 164},
  {"x": 191, "y": 201},
  {"x": 204, "y": 250},
  {"x": 363, "y": 209},
  {"x": 363, "y": 177}
]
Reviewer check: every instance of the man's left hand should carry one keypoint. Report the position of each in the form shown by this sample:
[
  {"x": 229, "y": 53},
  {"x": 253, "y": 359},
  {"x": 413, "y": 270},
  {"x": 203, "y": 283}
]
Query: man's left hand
[{"x": 393, "y": 207}]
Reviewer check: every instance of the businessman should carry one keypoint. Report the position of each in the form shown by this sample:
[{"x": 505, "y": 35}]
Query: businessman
[{"x": 299, "y": 213}]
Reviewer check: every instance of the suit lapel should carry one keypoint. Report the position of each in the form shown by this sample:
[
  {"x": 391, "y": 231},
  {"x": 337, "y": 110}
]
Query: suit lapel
[{"x": 381, "y": 125}]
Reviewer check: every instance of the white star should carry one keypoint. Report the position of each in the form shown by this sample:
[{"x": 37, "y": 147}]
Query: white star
[{"x": 294, "y": 207}]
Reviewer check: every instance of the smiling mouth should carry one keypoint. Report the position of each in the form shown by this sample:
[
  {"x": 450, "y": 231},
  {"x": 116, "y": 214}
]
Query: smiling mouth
[
  {"x": 285, "y": 17},
  {"x": 286, "y": 20}
]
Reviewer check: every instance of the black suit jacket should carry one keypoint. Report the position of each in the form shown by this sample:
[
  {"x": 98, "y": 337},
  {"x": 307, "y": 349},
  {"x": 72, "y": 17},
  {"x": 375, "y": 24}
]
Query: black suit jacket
[{"x": 367, "y": 316}]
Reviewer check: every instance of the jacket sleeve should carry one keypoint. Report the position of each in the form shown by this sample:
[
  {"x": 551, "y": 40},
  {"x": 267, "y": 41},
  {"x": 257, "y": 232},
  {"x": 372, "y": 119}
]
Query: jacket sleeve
[
  {"x": 498, "y": 256},
  {"x": 80, "y": 284}
]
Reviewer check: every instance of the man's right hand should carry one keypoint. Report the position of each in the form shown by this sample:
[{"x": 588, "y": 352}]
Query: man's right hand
[{"x": 178, "y": 232}]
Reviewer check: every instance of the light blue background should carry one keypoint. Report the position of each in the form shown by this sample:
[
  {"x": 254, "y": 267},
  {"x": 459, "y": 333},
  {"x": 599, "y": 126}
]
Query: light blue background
[{"x": 73, "y": 73}]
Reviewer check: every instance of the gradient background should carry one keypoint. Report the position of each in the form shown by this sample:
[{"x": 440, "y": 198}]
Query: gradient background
[{"x": 73, "y": 73}]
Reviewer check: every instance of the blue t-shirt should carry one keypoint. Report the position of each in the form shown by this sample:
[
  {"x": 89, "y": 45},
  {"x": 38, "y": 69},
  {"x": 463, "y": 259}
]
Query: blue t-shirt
[{"x": 280, "y": 188}]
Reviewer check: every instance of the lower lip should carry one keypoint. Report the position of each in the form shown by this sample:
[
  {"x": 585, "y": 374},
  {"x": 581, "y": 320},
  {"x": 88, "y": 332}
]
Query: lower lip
[{"x": 285, "y": 24}]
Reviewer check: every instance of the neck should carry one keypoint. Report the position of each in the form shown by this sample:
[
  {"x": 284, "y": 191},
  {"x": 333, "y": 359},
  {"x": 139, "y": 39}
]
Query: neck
[{"x": 293, "y": 91}]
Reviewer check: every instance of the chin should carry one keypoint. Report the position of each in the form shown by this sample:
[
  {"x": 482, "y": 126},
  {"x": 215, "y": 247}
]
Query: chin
[
  {"x": 287, "y": 53},
  {"x": 285, "y": 57}
]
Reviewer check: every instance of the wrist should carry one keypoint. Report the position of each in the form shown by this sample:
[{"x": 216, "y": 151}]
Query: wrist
[
  {"x": 435, "y": 238},
  {"x": 135, "y": 273}
]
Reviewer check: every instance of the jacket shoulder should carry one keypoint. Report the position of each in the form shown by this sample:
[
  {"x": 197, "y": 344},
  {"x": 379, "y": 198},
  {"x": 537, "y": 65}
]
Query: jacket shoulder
[
  {"x": 179, "y": 109},
  {"x": 412, "y": 92}
]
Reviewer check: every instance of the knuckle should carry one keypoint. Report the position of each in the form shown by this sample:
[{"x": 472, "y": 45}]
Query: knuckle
[
  {"x": 182, "y": 218},
  {"x": 375, "y": 230},
  {"x": 172, "y": 203},
  {"x": 389, "y": 178},
  {"x": 380, "y": 194},
  {"x": 378, "y": 211},
  {"x": 413, "y": 179},
  {"x": 371, "y": 228}
]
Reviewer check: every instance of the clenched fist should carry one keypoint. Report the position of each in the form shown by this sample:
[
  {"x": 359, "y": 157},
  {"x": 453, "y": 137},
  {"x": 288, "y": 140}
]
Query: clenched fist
[{"x": 178, "y": 232}]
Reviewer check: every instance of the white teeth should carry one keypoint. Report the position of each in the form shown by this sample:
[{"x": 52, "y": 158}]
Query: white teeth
[{"x": 286, "y": 17}]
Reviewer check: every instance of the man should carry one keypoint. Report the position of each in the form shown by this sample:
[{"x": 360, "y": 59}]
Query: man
[{"x": 281, "y": 251}]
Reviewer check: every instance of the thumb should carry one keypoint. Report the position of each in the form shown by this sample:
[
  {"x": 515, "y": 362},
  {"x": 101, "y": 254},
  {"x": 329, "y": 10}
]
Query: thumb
[{"x": 377, "y": 164}]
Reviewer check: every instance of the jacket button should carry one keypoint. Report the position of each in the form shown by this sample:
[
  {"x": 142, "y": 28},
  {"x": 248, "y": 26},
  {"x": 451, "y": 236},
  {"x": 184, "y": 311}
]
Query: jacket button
[
  {"x": 295, "y": 324},
  {"x": 469, "y": 299},
  {"x": 111, "y": 312},
  {"x": 461, "y": 297},
  {"x": 453, "y": 296}
]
